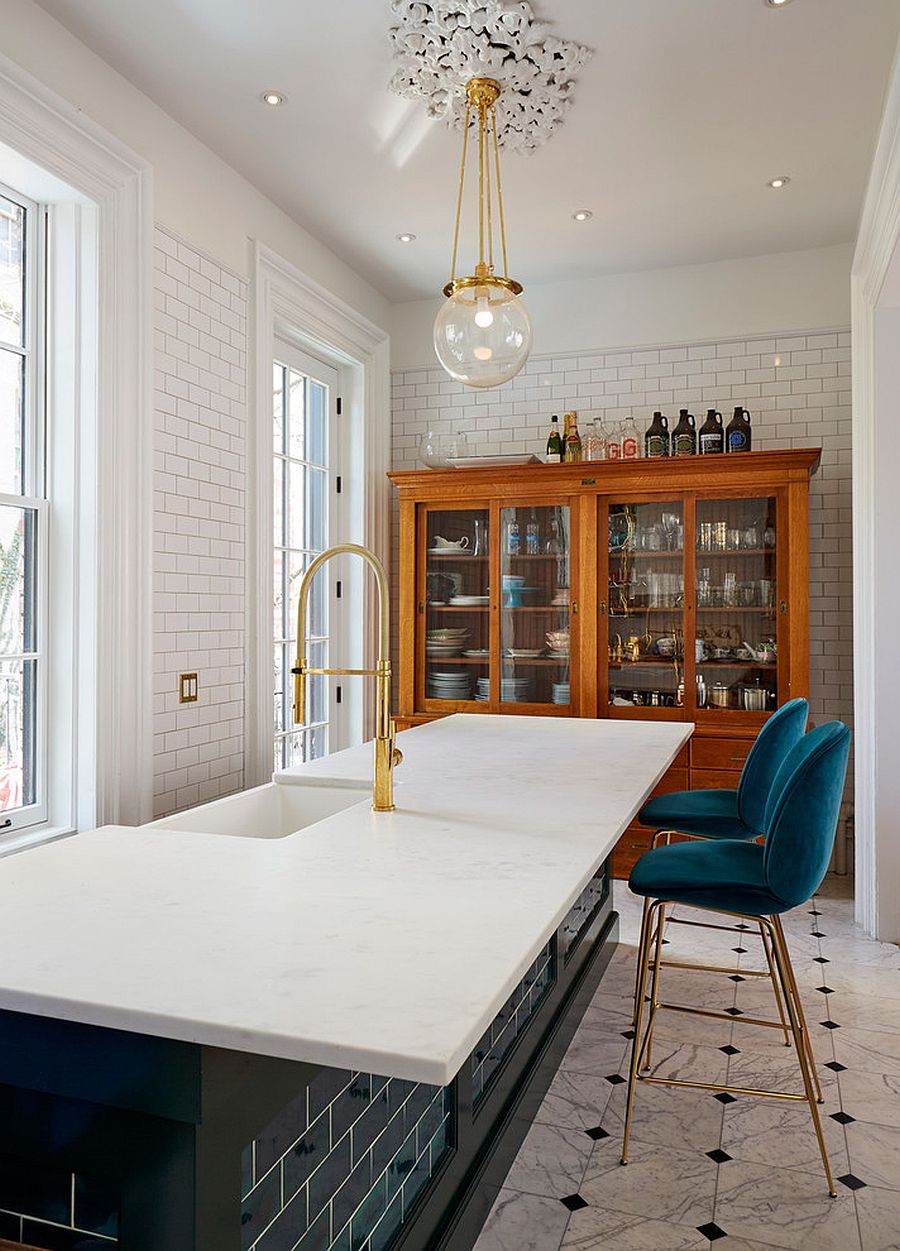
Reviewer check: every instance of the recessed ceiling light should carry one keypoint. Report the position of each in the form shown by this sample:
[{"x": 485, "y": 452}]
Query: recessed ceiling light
[
  {"x": 272, "y": 98},
  {"x": 777, "y": 183},
  {"x": 407, "y": 238},
  {"x": 777, "y": 4},
  {"x": 582, "y": 215}
]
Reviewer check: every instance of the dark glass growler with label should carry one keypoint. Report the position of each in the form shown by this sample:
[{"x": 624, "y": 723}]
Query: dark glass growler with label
[
  {"x": 684, "y": 436},
  {"x": 711, "y": 435},
  {"x": 738, "y": 435},
  {"x": 656, "y": 439}
]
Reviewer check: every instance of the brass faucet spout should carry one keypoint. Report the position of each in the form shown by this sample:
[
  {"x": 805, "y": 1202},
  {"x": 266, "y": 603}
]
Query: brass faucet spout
[{"x": 386, "y": 753}]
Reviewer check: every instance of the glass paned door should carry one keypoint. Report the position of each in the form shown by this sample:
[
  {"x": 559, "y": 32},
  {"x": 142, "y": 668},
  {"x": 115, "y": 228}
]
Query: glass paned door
[
  {"x": 457, "y": 605},
  {"x": 535, "y": 605},
  {"x": 737, "y": 636},
  {"x": 303, "y": 462},
  {"x": 20, "y": 661},
  {"x": 646, "y": 604}
]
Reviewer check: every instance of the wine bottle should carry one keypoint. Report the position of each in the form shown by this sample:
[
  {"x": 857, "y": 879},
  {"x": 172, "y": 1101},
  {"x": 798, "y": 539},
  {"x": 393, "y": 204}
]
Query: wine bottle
[
  {"x": 554, "y": 442},
  {"x": 739, "y": 436},
  {"x": 513, "y": 538},
  {"x": 711, "y": 435},
  {"x": 684, "y": 436},
  {"x": 656, "y": 440},
  {"x": 573, "y": 440}
]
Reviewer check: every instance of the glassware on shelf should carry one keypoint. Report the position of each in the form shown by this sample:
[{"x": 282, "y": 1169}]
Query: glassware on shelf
[
  {"x": 631, "y": 444},
  {"x": 438, "y": 448},
  {"x": 595, "y": 441},
  {"x": 614, "y": 441},
  {"x": 532, "y": 536}
]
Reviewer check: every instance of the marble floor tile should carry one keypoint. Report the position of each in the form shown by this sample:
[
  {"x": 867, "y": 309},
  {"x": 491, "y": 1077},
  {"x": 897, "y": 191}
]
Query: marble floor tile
[
  {"x": 520, "y": 1222},
  {"x": 785, "y": 1208},
  {"x": 575, "y": 1101},
  {"x": 754, "y": 1130},
  {"x": 596, "y": 1052},
  {"x": 551, "y": 1162},
  {"x": 601, "y": 1229},
  {"x": 661, "y": 1183},
  {"x": 864, "y": 1011},
  {"x": 867, "y": 1051},
  {"x": 879, "y": 1218},
  {"x": 874, "y": 1153},
  {"x": 871, "y": 1097},
  {"x": 666, "y": 1115}
]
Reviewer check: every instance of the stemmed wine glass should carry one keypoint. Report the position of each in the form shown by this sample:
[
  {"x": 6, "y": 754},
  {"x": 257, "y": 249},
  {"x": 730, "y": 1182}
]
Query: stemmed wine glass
[{"x": 670, "y": 526}]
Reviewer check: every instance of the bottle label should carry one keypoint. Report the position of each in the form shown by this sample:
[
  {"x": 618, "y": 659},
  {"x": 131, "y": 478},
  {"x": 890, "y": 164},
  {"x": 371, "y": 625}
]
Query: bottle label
[
  {"x": 656, "y": 445},
  {"x": 613, "y": 450},
  {"x": 684, "y": 445},
  {"x": 737, "y": 441},
  {"x": 553, "y": 458},
  {"x": 711, "y": 443},
  {"x": 629, "y": 448}
]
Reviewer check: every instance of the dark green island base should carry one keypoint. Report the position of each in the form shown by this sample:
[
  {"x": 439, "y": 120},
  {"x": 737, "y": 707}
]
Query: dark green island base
[{"x": 120, "y": 1140}]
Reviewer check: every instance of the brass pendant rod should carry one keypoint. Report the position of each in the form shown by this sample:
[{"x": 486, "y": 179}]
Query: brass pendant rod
[
  {"x": 487, "y": 183},
  {"x": 481, "y": 126},
  {"x": 499, "y": 194},
  {"x": 459, "y": 198}
]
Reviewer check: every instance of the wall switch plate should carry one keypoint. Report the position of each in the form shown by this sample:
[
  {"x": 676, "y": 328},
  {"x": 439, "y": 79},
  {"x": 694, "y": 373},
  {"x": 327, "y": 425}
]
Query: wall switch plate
[{"x": 187, "y": 688}]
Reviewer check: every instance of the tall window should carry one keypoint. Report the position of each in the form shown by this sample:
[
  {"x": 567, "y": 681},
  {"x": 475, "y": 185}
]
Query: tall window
[
  {"x": 23, "y": 795},
  {"x": 305, "y": 480}
]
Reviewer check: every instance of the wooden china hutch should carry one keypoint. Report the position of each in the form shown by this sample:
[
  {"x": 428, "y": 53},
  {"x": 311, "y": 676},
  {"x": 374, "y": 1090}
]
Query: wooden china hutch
[{"x": 666, "y": 589}]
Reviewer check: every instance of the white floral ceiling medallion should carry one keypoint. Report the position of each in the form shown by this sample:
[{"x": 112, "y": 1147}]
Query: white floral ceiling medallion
[{"x": 440, "y": 44}]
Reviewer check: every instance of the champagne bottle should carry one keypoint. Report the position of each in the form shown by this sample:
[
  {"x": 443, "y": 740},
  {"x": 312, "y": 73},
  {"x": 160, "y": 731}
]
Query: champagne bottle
[
  {"x": 567, "y": 422},
  {"x": 656, "y": 440},
  {"x": 573, "y": 439},
  {"x": 711, "y": 435},
  {"x": 738, "y": 436},
  {"x": 684, "y": 436},
  {"x": 554, "y": 442}
]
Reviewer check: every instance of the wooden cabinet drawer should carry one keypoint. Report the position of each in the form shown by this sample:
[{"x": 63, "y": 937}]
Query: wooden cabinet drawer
[
  {"x": 719, "y": 753},
  {"x": 674, "y": 779},
  {"x": 714, "y": 779}
]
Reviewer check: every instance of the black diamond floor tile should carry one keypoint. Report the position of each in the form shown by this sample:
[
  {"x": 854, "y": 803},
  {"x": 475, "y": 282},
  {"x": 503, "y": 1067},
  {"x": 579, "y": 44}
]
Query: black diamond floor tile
[
  {"x": 615, "y": 1079},
  {"x": 825, "y": 990},
  {"x": 843, "y": 1118},
  {"x": 724, "y": 1097},
  {"x": 836, "y": 1066},
  {"x": 628, "y": 1033},
  {"x": 730, "y": 1051},
  {"x": 734, "y": 1011},
  {"x": 736, "y": 977},
  {"x": 742, "y": 926},
  {"x": 711, "y": 1231},
  {"x": 814, "y": 913},
  {"x": 821, "y": 960},
  {"x": 741, "y": 951},
  {"x": 830, "y": 1024},
  {"x": 851, "y": 1182},
  {"x": 719, "y": 1156},
  {"x": 818, "y": 934},
  {"x": 574, "y": 1203},
  {"x": 597, "y": 1133}
]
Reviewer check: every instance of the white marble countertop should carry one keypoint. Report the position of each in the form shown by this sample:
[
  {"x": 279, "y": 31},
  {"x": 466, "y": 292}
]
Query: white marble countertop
[{"x": 378, "y": 941}]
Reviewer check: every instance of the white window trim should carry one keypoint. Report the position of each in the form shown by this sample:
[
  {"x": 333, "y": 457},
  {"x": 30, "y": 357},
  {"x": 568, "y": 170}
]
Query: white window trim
[
  {"x": 290, "y": 305},
  {"x": 877, "y": 859},
  {"x": 114, "y": 410}
]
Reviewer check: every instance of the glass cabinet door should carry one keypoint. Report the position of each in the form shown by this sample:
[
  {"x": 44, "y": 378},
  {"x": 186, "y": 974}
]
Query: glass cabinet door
[
  {"x": 645, "y": 599},
  {"x": 534, "y": 605},
  {"x": 737, "y": 639},
  {"x": 457, "y": 605}
]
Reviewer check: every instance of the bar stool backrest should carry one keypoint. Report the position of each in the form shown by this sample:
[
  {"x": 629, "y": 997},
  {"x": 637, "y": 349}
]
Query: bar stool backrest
[
  {"x": 803, "y": 813},
  {"x": 780, "y": 733}
]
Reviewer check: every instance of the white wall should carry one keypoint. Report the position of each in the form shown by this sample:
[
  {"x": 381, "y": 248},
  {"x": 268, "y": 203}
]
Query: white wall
[
  {"x": 762, "y": 295},
  {"x": 197, "y": 196}
]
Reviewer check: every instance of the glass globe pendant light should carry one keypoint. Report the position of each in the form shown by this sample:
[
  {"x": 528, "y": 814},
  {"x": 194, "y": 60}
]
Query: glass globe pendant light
[{"x": 482, "y": 334}]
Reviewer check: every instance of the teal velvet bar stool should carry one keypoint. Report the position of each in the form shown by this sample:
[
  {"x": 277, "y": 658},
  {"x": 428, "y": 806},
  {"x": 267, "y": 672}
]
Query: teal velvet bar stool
[
  {"x": 733, "y": 814},
  {"x": 752, "y": 882}
]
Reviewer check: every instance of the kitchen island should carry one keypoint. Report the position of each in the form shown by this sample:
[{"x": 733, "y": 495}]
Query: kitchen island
[{"x": 282, "y": 1020}]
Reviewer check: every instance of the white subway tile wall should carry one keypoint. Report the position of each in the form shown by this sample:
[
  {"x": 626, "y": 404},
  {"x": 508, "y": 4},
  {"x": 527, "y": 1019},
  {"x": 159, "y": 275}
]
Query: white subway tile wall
[
  {"x": 796, "y": 386},
  {"x": 198, "y": 558}
]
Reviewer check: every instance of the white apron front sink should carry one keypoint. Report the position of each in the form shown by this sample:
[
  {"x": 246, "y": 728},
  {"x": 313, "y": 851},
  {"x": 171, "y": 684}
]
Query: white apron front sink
[{"x": 267, "y": 811}]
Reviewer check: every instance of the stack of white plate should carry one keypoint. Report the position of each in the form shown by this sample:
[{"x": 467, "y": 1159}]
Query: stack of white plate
[
  {"x": 445, "y": 642},
  {"x": 512, "y": 690},
  {"x": 561, "y": 693},
  {"x": 441, "y": 685}
]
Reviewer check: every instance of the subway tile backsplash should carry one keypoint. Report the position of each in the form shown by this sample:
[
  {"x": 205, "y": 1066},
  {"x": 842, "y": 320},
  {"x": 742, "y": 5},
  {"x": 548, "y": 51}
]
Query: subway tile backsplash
[
  {"x": 797, "y": 387},
  {"x": 199, "y": 525}
]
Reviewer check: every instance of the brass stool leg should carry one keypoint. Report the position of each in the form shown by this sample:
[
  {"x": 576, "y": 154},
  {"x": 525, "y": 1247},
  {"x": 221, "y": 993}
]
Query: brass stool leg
[
  {"x": 795, "y": 990},
  {"x": 643, "y": 955},
  {"x": 774, "y": 980},
  {"x": 786, "y": 973},
  {"x": 654, "y": 986},
  {"x": 654, "y": 843}
]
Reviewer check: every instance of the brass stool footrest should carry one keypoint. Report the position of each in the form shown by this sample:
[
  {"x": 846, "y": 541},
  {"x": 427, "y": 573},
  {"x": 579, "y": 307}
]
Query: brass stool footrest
[{"x": 730, "y": 1090}]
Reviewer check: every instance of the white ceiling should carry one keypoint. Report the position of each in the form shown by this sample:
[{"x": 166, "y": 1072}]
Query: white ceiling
[{"x": 685, "y": 110}]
